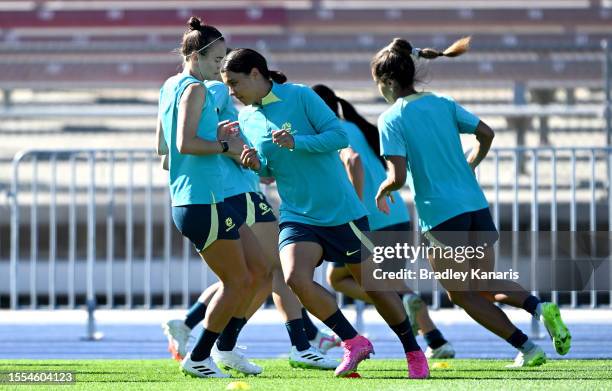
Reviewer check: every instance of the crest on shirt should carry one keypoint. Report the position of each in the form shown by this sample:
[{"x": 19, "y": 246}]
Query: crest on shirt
[{"x": 287, "y": 126}]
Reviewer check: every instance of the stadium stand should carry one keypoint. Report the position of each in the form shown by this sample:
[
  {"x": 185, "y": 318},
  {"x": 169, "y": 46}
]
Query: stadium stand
[
  {"x": 523, "y": 47},
  {"x": 528, "y": 40}
]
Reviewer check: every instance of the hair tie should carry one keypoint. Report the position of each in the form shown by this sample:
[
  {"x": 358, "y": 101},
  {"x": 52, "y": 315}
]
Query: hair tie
[{"x": 415, "y": 51}]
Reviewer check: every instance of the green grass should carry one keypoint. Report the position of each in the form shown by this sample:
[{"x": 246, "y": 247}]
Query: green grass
[{"x": 377, "y": 375}]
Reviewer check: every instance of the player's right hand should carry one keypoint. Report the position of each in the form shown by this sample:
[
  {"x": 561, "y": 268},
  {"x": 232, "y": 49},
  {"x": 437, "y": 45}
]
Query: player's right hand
[{"x": 249, "y": 158}]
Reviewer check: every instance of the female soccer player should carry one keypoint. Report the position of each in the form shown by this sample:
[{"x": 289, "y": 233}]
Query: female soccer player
[
  {"x": 295, "y": 138},
  {"x": 420, "y": 132},
  {"x": 188, "y": 133},
  {"x": 241, "y": 192},
  {"x": 361, "y": 160}
]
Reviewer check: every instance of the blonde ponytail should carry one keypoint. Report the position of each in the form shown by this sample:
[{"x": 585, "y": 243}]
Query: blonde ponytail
[{"x": 458, "y": 47}]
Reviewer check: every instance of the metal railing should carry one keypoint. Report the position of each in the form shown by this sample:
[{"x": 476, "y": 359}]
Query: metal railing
[
  {"x": 108, "y": 234},
  {"x": 75, "y": 181}
]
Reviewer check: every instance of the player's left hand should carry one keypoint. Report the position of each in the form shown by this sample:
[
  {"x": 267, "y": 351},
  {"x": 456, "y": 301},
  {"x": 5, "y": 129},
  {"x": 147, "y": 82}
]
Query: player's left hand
[
  {"x": 236, "y": 146},
  {"x": 283, "y": 138},
  {"x": 227, "y": 129},
  {"x": 381, "y": 200}
]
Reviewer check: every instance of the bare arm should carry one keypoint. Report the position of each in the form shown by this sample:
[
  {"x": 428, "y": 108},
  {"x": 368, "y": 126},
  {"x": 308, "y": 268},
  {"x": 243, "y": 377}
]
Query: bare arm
[
  {"x": 396, "y": 174},
  {"x": 396, "y": 177},
  {"x": 164, "y": 162},
  {"x": 354, "y": 169},
  {"x": 484, "y": 138},
  {"x": 162, "y": 147},
  {"x": 190, "y": 111}
]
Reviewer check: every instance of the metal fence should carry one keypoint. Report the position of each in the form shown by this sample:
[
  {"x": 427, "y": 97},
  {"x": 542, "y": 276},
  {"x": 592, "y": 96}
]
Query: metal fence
[{"x": 93, "y": 225}]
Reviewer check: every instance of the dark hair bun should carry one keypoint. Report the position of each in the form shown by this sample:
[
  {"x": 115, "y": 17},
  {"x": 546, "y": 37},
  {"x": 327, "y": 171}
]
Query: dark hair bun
[
  {"x": 194, "y": 23},
  {"x": 401, "y": 46}
]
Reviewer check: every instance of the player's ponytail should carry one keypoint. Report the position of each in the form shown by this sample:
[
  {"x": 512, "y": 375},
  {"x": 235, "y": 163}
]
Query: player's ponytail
[
  {"x": 278, "y": 77},
  {"x": 458, "y": 47},
  {"x": 349, "y": 113},
  {"x": 244, "y": 60},
  {"x": 396, "y": 61},
  {"x": 370, "y": 132}
]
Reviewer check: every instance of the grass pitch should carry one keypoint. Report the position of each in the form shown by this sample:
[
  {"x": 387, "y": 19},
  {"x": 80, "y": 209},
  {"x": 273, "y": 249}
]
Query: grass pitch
[{"x": 376, "y": 375}]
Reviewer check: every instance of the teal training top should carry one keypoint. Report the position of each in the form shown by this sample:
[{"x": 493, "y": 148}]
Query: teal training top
[
  {"x": 312, "y": 182},
  {"x": 236, "y": 179},
  {"x": 194, "y": 179},
  {"x": 373, "y": 175},
  {"x": 424, "y": 128}
]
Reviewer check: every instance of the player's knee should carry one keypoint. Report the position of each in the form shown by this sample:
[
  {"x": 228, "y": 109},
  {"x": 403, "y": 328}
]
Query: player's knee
[
  {"x": 291, "y": 280},
  {"x": 331, "y": 280},
  {"x": 268, "y": 271},
  {"x": 334, "y": 277},
  {"x": 240, "y": 281},
  {"x": 296, "y": 282},
  {"x": 261, "y": 275}
]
